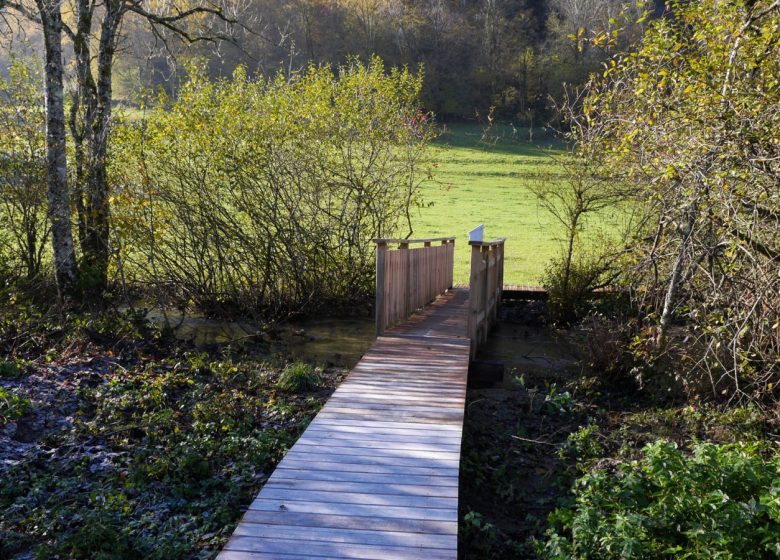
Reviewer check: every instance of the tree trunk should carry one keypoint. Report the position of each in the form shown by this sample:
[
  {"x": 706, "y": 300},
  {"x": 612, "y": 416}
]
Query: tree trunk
[
  {"x": 56, "y": 161},
  {"x": 96, "y": 100},
  {"x": 82, "y": 113},
  {"x": 675, "y": 280}
]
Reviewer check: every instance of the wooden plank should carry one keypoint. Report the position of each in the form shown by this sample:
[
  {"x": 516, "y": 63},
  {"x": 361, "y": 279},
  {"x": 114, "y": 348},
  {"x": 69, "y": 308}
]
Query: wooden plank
[
  {"x": 359, "y": 435},
  {"x": 351, "y": 522},
  {"x": 368, "y": 444},
  {"x": 385, "y": 478},
  {"x": 337, "y": 550},
  {"x": 408, "y": 391},
  {"x": 390, "y": 428},
  {"x": 304, "y": 462},
  {"x": 361, "y": 407},
  {"x": 371, "y": 423},
  {"x": 422, "y": 417},
  {"x": 373, "y": 459},
  {"x": 242, "y": 555},
  {"x": 351, "y": 536},
  {"x": 391, "y": 488},
  {"x": 357, "y": 498},
  {"x": 356, "y": 510}
]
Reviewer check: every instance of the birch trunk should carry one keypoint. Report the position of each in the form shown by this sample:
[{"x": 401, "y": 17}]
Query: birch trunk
[{"x": 65, "y": 267}]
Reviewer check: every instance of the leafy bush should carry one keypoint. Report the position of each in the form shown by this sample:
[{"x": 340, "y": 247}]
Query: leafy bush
[
  {"x": 583, "y": 446},
  {"x": 721, "y": 502},
  {"x": 262, "y": 194},
  {"x": 570, "y": 281},
  {"x": 12, "y": 406},
  {"x": 298, "y": 377},
  {"x": 703, "y": 258},
  {"x": 24, "y": 228}
]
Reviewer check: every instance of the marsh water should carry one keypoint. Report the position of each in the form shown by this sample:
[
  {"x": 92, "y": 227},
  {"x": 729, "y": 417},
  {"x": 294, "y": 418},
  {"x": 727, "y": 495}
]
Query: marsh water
[
  {"x": 326, "y": 341},
  {"x": 524, "y": 348},
  {"x": 529, "y": 350}
]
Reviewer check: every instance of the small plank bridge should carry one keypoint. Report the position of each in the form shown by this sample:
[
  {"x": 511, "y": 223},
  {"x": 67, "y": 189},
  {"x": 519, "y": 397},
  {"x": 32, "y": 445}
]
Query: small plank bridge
[{"x": 375, "y": 475}]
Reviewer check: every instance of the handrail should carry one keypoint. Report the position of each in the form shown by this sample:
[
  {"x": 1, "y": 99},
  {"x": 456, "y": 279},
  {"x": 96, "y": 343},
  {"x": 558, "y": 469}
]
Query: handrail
[
  {"x": 407, "y": 279},
  {"x": 493, "y": 243},
  {"x": 485, "y": 286},
  {"x": 412, "y": 241}
]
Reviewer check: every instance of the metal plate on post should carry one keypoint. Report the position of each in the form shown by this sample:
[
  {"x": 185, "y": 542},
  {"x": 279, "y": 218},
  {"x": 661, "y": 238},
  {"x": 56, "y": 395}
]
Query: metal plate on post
[{"x": 478, "y": 233}]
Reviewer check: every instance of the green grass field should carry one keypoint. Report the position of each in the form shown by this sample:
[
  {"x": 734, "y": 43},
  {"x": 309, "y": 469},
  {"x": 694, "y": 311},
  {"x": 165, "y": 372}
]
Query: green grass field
[{"x": 489, "y": 182}]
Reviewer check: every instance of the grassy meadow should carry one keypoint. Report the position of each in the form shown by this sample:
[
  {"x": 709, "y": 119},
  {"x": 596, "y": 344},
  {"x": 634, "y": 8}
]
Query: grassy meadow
[{"x": 489, "y": 181}]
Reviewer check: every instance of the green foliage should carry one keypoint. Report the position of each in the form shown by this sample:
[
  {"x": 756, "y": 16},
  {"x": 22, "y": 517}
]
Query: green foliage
[
  {"x": 298, "y": 377},
  {"x": 583, "y": 446},
  {"x": 721, "y": 502},
  {"x": 264, "y": 194},
  {"x": 9, "y": 369},
  {"x": 168, "y": 448},
  {"x": 482, "y": 536},
  {"x": 24, "y": 227},
  {"x": 557, "y": 401},
  {"x": 686, "y": 126},
  {"x": 570, "y": 280},
  {"x": 12, "y": 406}
]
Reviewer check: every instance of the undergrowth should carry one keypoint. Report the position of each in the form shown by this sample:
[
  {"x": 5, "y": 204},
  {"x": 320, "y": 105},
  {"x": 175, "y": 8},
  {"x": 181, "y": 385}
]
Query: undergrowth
[{"x": 142, "y": 448}]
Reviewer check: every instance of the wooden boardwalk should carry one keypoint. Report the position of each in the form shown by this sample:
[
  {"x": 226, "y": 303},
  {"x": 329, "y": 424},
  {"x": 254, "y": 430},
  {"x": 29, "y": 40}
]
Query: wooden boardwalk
[{"x": 375, "y": 475}]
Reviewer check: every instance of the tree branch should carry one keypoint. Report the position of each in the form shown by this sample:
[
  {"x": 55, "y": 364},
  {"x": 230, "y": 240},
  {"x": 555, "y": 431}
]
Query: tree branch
[
  {"x": 23, "y": 10},
  {"x": 170, "y": 22}
]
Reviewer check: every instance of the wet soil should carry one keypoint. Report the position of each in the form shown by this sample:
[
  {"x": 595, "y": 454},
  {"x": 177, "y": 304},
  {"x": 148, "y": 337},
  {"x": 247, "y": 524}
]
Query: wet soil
[{"x": 512, "y": 474}]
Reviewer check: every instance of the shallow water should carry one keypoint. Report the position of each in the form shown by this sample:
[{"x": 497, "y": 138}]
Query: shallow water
[
  {"x": 523, "y": 349},
  {"x": 338, "y": 341},
  {"x": 326, "y": 341},
  {"x": 529, "y": 350}
]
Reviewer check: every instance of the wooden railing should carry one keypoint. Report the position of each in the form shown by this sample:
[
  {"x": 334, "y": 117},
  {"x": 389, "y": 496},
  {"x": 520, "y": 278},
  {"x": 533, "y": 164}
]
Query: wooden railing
[
  {"x": 485, "y": 287},
  {"x": 407, "y": 279}
]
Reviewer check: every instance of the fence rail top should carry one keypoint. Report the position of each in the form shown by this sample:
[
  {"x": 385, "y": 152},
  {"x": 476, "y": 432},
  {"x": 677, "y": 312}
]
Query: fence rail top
[
  {"x": 384, "y": 241},
  {"x": 492, "y": 243}
]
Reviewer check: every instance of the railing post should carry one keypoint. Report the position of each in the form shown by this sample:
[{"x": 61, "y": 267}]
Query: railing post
[
  {"x": 407, "y": 258},
  {"x": 381, "y": 316},
  {"x": 486, "y": 293},
  {"x": 499, "y": 277},
  {"x": 450, "y": 263}
]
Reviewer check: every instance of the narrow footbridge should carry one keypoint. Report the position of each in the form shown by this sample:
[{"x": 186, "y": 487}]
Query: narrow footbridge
[{"x": 375, "y": 475}]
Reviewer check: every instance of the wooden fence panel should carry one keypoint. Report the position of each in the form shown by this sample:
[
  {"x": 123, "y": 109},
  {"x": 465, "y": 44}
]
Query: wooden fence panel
[
  {"x": 407, "y": 279},
  {"x": 485, "y": 287}
]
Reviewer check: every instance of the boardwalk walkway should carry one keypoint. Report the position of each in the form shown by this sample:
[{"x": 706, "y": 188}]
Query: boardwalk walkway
[{"x": 375, "y": 475}]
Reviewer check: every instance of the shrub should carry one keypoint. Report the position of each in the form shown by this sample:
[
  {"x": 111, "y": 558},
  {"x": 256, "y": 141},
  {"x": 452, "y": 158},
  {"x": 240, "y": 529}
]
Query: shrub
[
  {"x": 723, "y": 501},
  {"x": 264, "y": 194},
  {"x": 299, "y": 376},
  {"x": 24, "y": 227},
  {"x": 570, "y": 281}
]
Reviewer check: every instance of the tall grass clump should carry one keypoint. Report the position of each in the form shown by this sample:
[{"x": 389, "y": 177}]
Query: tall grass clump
[{"x": 298, "y": 377}]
